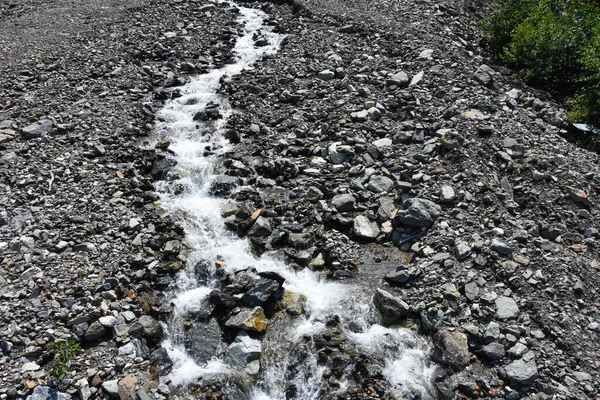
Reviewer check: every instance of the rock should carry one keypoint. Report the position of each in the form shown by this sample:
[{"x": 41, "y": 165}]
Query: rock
[
  {"x": 484, "y": 75},
  {"x": 359, "y": 116},
  {"x": 84, "y": 389},
  {"x": 492, "y": 332},
  {"x": 245, "y": 353},
  {"x": 501, "y": 247},
  {"x": 447, "y": 194},
  {"x": 250, "y": 320},
  {"x": 294, "y": 302},
  {"x": 152, "y": 328},
  {"x": 202, "y": 339},
  {"x": 390, "y": 307},
  {"x": 108, "y": 321},
  {"x": 518, "y": 350},
  {"x": 41, "y": 392},
  {"x": 260, "y": 292},
  {"x": 521, "y": 372},
  {"x": 260, "y": 228},
  {"x": 380, "y": 184},
  {"x": 506, "y": 308},
  {"x": 224, "y": 184},
  {"x": 398, "y": 79},
  {"x": 29, "y": 273},
  {"x": 127, "y": 390},
  {"x": 419, "y": 213},
  {"x": 493, "y": 351},
  {"x": 111, "y": 387},
  {"x": 343, "y": 202},
  {"x": 364, "y": 228},
  {"x": 426, "y": 54},
  {"x": 462, "y": 250},
  {"x": 336, "y": 157},
  {"x": 450, "y": 348},
  {"x": 95, "y": 331},
  {"x": 326, "y": 75},
  {"x": 417, "y": 78},
  {"x": 38, "y": 129},
  {"x": 578, "y": 196}
]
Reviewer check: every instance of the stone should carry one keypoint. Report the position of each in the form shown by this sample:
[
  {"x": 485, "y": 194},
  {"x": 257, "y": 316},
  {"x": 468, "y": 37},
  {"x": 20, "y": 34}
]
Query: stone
[
  {"x": 111, "y": 387},
  {"x": 364, "y": 228},
  {"x": 260, "y": 228},
  {"x": 41, "y": 392},
  {"x": 38, "y": 129},
  {"x": 260, "y": 292},
  {"x": 224, "y": 184},
  {"x": 578, "y": 196},
  {"x": 501, "y": 247},
  {"x": 294, "y": 303},
  {"x": 360, "y": 116},
  {"x": 336, "y": 157},
  {"x": 518, "y": 350},
  {"x": 381, "y": 143},
  {"x": 417, "y": 78},
  {"x": 380, "y": 184},
  {"x": 326, "y": 75},
  {"x": 29, "y": 273},
  {"x": 151, "y": 327},
  {"x": 492, "y": 332},
  {"x": 450, "y": 348},
  {"x": 95, "y": 331},
  {"x": 521, "y": 372},
  {"x": 127, "y": 390},
  {"x": 419, "y": 213},
  {"x": 374, "y": 113},
  {"x": 84, "y": 389},
  {"x": 389, "y": 306},
  {"x": 108, "y": 321},
  {"x": 250, "y": 320},
  {"x": 493, "y": 351},
  {"x": 462, "y": 250},
  {"x": 506, "y": 308},
  {"x": 245, "y": 353},
  {"x": 202, "y": 339},
  {"x": 398, "y": 79},
  {"x": 343, "y": 202},
  {"x": 426, "y": 54},
  {"x": 447, "y": 194},
  {"x": 484, "y": 75}
]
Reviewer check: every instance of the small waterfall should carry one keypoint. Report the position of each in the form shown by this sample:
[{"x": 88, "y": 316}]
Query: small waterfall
[{"x": 197, "y": 147}]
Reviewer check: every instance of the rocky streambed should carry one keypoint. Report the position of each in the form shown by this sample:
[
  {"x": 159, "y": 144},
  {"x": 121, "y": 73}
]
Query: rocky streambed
[{"x": 375, "y": 211}]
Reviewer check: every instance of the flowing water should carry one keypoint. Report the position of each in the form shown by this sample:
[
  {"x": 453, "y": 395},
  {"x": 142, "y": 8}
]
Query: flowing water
[{"x": 197, "y": 147}]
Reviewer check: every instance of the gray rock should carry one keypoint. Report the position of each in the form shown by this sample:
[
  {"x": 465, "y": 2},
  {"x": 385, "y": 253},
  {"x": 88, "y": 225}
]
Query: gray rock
[
  {"x": 224, "y": 184},
  {"x": 360, "y": 116},
  {"x": 260, "y": 228},
  {"x": 390, "y": 307},
  {"x": 47, "y": 393},
  {"x": 336, "y": 157},
  {"x": 84, "y": 389},
  {"x": 245, "y": 353},
  {"x": 492, "y": 332},
  {"x": 364, "y": 228},
  {"x": 29, "y": 273},
  {"x": 380, "y": 184},
  {"x": 501, "y": 247},
  {"x": 484, "y": 75},
  {"x": 22, "y": 244},
  {"x": 111, "y": 387},
  {"x": 95, "y": 331},
  {"x": 518, "y": 350},
  {"x": 493, "y": 351},
  {"x": 343, "y": 202},
  {"x": 418, "y": 213},
  {"x": 326, "y": 75},
  {"x": 506, "y": 308},
  {"x": 521, "y": 372},
  {"x": 202, "y": 339},
  {"x": 398, "y": 79},
  {"x": 260, "y": 292},
  {"x": 462, "y": 250},
  {"x": 38, "y": 129},
  {"x": 447, "y": 194},
  {"x": 152, "y": 328},
  {"x": 450, "y": 348}
]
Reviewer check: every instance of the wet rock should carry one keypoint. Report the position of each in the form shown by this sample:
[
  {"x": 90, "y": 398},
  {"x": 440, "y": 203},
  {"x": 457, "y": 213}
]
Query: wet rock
[
  {"x": 294, "y": 303},
  {"x": 260, "y": 292},
  {"x": 224, "y": 184},
  {"x": 450, "y": 348},
  {"x": 250, "y": 320},
  {"x": 245, "y": 353},
  {"x": 420, "y": 213},
  {"x": 202, "y": 340},
  {"x": 41, "y": 392},
  {"x": 390, "y": 307}
]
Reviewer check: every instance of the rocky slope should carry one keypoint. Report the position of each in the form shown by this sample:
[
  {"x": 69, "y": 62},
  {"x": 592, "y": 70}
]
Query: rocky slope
[{"x": 380, "y": 146}]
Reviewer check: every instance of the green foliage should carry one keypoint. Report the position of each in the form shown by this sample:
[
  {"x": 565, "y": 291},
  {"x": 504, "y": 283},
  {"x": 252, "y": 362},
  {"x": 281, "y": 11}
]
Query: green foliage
[
  {"x": 553, "y": 44},
  {"x": 63, "y": 353}
]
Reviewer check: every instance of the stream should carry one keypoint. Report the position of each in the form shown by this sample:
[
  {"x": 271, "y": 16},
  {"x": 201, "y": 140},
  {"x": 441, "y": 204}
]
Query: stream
[{"x": 197, "y": 147}]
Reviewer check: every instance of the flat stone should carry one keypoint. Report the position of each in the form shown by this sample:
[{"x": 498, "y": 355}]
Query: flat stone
[
  {"x": 521, "y": 372},
  {"x": 326, "y": 75},
  {"x": 506, "y": 308},
  {"x": 380, "y": 184},
  {"x": 493, "y": 351},
  {"x": 127, "y": 387}
]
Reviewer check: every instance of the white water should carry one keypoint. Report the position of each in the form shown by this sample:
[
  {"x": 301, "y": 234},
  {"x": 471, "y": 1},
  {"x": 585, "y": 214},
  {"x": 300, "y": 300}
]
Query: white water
[{"x": 402, "y": 355}]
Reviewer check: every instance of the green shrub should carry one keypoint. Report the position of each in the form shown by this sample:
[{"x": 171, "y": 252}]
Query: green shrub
[
  {"x": 552, "y": 44},
  {"x": 63, "y": 354}
]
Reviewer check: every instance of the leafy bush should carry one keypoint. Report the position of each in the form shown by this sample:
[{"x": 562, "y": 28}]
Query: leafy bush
[
  {"x": 63, "y": 353},
  {"x": 553, "y": 44}
]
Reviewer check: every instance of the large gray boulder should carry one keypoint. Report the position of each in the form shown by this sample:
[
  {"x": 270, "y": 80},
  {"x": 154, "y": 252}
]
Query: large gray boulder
[
  {"x": 389, "y": 306},
  {"x": 420, "y": 213},
  {"x": 202, "y": 339}
]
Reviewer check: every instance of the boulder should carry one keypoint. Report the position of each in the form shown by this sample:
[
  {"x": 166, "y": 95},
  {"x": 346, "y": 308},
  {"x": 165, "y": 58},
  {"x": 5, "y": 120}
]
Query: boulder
[
  {"x": 250, "y": 320},
  {"x": 260, "y": 292},
  {"x": 343, "y": 202},
  {"x": 521, "y": 372},
  {"x": 506, "y": 308},
  {"x": 380, "y": 184},
  {"x": 202, "y": 339},
  {"x": 389, "y": 306},
  {"x": 244, "y": 353},
  {"x": 41, "y": 392},
  {"x": 38, "y": 129},
  {"x": 419, "y": 213},
  {"x": 364, "y": 228},
  {"x": 450, "y": 348}
]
